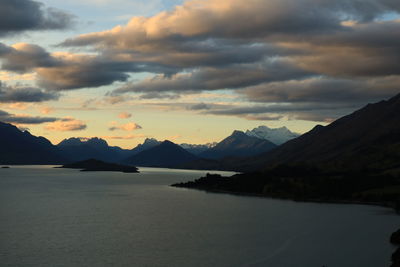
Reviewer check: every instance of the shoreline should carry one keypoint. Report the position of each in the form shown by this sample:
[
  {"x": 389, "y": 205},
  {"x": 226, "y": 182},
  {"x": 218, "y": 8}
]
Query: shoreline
[{"x": 390, "y": 205}]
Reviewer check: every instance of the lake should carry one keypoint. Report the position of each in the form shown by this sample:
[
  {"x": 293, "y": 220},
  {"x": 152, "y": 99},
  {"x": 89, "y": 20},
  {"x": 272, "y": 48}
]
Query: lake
[{"x": 63, "y": 217}]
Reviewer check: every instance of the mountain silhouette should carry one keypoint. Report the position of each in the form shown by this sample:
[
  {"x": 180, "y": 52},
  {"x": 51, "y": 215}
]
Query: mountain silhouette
[
  {"x": 197, "y": 149},
  {"x": 79, "y": 149},
  {"x": 238, "y": 144},
  {"x": 277, "y": 136},
  {"x": 20, "y": 147},
  {"x": 148, "y": 143},
  {"x": 166, "y": 154}
]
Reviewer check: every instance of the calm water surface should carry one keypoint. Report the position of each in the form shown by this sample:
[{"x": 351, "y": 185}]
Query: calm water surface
[{"x": 62, "y": 217}]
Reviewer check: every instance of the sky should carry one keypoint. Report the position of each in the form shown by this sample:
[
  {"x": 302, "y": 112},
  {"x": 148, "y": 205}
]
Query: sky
[{"x": 192, "y": 71}]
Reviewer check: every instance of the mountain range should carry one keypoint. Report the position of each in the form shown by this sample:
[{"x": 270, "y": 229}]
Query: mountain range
[
  {"x": 23, "y": 148},
  {"x": 367, "y": 138}
]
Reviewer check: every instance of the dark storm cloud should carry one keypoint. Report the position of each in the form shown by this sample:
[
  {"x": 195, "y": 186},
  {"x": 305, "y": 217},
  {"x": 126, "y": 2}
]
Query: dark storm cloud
[
  {"x": 82, "y": 71},
  {"x": 293, "y": 111},
  {"x": 11, "y": 118},
  {"x": 10, "y": 94},
  {"x": 325, "y": 90},
  {"x": 24, "y": 57},
  {"x": 218, "y": 78},
  {"x": 26, "y": 15},
  {"x": 66, "y": 71}
]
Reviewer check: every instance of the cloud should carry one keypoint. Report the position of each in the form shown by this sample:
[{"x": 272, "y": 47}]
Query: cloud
[
  {"x": 17, "y": 16},
  {"x": 124, "y": 115},
  {"x": 80, "y": 71},
  {"x": 23, "y": 57},
  {"x": 209, "y": 19},
  {"x": 116, "y": 99},
  {"x": 46, "y": 110},
  {"x": 325, "y": 90},
  {"x": 131, "y": 126},
  {"x": 64, "y": 71},
  {"x": 299, "y": 52},
  {"x": 199, "y": 106},
  {"x": 12, "y": 94},
  {"x": 279, "y": 41},
  {"x": 215, "y": 78},
  {"x": 66, "y": 124},
  {"x": 157, "y": 95},
  {"x": 24, "y": 119},
  {"x": 292, "y": 111},
  {"x": 362, "y": 50}
]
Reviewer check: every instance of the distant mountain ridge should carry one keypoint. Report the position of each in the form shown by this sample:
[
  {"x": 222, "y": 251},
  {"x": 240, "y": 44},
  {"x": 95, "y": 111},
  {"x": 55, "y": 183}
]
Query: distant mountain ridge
[
  {"x": 277, "y": 136},
  {"x": 197, "y": 149},
  {"x": 78, "y": 149},
  {"x": 238, "y": 144},
  {"x": 147, "y": 144},
  {"x": 191, "y": 148},
  {"x": 166, "y": 155}
]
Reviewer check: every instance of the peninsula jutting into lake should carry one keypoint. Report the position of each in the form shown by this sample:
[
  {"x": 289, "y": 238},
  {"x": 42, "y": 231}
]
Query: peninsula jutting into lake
[{"x": 98, "y": 165}]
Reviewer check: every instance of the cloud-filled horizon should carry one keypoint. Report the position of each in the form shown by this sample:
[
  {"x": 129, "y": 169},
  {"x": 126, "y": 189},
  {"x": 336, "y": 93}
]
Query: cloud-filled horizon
[{"x": 274, "y": 61}]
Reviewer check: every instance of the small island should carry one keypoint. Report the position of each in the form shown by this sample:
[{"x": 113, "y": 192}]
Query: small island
[
  {"x": 5, "y": 167},
  {"x": 98, "y": 165}
]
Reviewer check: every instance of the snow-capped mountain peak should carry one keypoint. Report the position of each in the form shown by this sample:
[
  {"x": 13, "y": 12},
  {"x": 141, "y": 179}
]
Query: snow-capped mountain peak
[{"x": 277, "y": 136}]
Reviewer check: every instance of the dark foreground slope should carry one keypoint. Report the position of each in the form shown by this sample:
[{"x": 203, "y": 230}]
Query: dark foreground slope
[
  {"x": 18, "y": 147},
  {"x": 366, "y": 139},
  {"x": 356, "y": 158}
]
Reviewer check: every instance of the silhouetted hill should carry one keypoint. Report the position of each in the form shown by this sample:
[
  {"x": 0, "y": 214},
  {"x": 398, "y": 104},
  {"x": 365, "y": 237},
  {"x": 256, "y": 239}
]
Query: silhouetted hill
[
  {"x": 151, "y": 142},
  {"x": 17, "y": 147},
  {"x": 80, "y": 149},
  {"x": 98, "y": 165},
  {"x": 238, "y": 144},
  {"x": 166, "y": 154}
]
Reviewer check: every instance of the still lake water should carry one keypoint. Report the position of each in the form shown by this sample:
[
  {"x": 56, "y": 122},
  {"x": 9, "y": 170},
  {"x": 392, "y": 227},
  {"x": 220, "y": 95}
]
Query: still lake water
[{"x": 63, "y": 217}]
